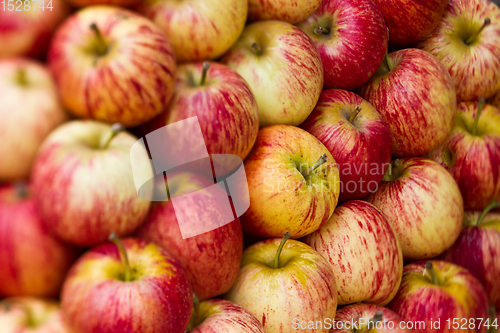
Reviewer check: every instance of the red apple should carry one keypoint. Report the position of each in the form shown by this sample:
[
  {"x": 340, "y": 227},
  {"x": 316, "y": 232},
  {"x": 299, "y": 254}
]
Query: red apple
[
  {"x": 351, "y": 37},
  {"x": 357, "y": 137},
  {"x": 113, "y": 65},
  {"x": 34, "y": 262},
  {"x": 419, "y": 115},
  {"x": 291, "y": 11}
]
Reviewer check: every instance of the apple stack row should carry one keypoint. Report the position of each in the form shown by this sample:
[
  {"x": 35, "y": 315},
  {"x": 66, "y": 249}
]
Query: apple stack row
[{"x": 369, "y": 177}]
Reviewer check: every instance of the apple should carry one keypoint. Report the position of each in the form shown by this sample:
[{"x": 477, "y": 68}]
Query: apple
[
  {"x": 419, "y": 115},
  {"x": 466, "y": 43},
  {"x": 198, "y": 29},
  {"x": 30, "y": 314},
  {"x": 423, "y": 205},
  {"x": 363, "y": 251},
  {"x": 85, "y": 3},
  {"x": 218, "y": 315},
  {"x": 471, "y": 153},
  {"x": 441, "y": 297},
  {"x": 495, "y": 100},
  {"x": 130, "y": 286},
  {"x": 281, "y": 281},
  {"x": 351, "y": 37},
  {"x": 358, "y": 138},
  {"x": 282, "y": 67},
  {"x": 478, "y": 249},
  {"x": 293, "y": 182},
  {"x": 291, "y": 11},
  {"x": 82, "y": 179},
  {"x": 113, "y": 65},
  {"x": 410, "y": 21},
  {"x": 26, "y": 27},
  {"x": 30, "y": 110}
]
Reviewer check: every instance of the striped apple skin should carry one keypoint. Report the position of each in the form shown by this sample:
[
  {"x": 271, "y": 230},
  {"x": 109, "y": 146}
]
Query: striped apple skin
[
  {"x": 96, "y": 299},
  {"x": 291, "y": 11}
]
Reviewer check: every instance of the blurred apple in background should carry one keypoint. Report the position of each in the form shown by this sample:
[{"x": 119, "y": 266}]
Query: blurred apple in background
[
  {"x": 281, "y": 280},
  {"x": 423, "y": 205},
  {"x": 291, "y": 11},
  {"x": 419, "y": 115},
  {"x": 283, "y": 69},
  {"x": 466, "y": 43},
  {"x": 358, "y": 138},
  {"x": 351, "y": 37},
  {"x": 82, "y": 179},
  {"x": 471, "y": 153},
  {"x": 113, "y": 65},
  {"x": 26, "y": 27},
  {"x": 410, "y": 21},
  {"x": 30, "y": 110},
  {"x": 33, "y": 315},
  {"x": 198, "y": 29},
  {"x": 130, "y": 286},
  {"x": 293, "y": 182}
]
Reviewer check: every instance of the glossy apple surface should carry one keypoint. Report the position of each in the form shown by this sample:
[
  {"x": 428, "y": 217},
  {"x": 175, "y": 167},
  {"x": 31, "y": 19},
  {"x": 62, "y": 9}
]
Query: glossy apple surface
[{"x": 290, "y": 11}]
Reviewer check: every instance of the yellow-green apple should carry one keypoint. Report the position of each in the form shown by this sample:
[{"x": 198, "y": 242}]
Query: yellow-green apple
[
  {"x": 291, "y": 11},
  {"x": 30, "y": 110},
  {"x": 218, "y": 315},
  {"x": 363, "y": 251},
  {"x": 83, "y": 182},
  {"x": 283, "y": 69},
  {"x": 410, "y": 21},
  {"x": 423, "y": 205},
  {"x": 130, "y": 286},
  {"x": 30, "y": 315},
  {"x": 34, "y": 262},
  {"x": 358, "y": 138},
  {"x": 439, "y": 296},
  {"x": 466, "y": 43},
  {"x": 212, "y": 259},
  {"x": 419, "y": 115},
  {"x": 478, "y": 249},
  {"x": 280, "y": 281},
  {"x": 198, "y": 29},
  {"x": 495, "y": 100},
  {"x": 26, "y": 27},
  {"x": 293, "y": 182},
  {"x": 351, "y": 37},
  {"x": 471, "y": 153},
  {"x": 113, "y": 65}
]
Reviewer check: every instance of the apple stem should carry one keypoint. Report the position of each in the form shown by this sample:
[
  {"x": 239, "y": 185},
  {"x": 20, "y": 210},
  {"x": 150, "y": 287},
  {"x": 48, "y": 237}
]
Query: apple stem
[
  {"x": 206, "y": 67},
  {"x": 321, "y": 31},
  {"x": 355, "y": 114},
  {"x": 480, "y": 108},
  {"x": 101, "y": 48},
  {"x": 115, "y": 130},
  {"x": 486, "y": 22},
  {"x": 21, "y": 77},
  {"x": 387, "y": 61},
  {"x": 491, "y": 206},
  {"x": 286, "y": 236},
  {"x": 196, "y": 311},
  {"x": 432, "y": 272},
  {"x": 115, "y": 239},
  {"x": 374, "y": 320},
  {"x": 21, "y": 190},
  {"x": 256, "y": 49},
  {"x": 320, "y": 162}
]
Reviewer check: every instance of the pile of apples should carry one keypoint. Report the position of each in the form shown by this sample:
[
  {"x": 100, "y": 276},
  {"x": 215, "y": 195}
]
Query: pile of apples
[{"x": 369, "y": 132}]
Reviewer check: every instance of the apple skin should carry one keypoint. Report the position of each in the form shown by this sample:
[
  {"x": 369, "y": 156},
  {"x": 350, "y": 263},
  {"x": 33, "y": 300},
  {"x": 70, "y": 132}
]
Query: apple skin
[
  {"x": 85, "y": 192},
  {"x": 212, "y": 259},
  {"x": 286, "y": 78},
  {"x": 290, "y": 11},
  {"x": 35, "y": 262},
  {"x": 302, "y": 287},
  {"x": 131, "y": 83},
  {"x": 218, "y": 315},
  {"x": 410, "y": 21},
  {"x": 478, "y": 249},
  {"x": 281, "y": 198},
  {"x": 365, "y": 145},
  {"x": 473, "y": 160},
  {"x": 198, "y": 29},
  {"x": 96, "y": 298},
  {"x": 418, "y": 299},
  {"x": 30, "y": 315},
  {"x": 30, "y": 110},
  {"x": 86, "y": 3},
  {"x": 356, "y": 43},
  {"x": 419, "y": 116},
  {"x": 474, "y": 68},
  {"x": 423, "y": 205},
  {"x": 28, "y": 33},
  {"x": 363, "y": 251}
]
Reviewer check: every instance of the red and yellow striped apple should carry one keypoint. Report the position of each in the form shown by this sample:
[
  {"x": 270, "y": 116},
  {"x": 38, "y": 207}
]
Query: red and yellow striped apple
[{"x": 291, "y": 11}]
